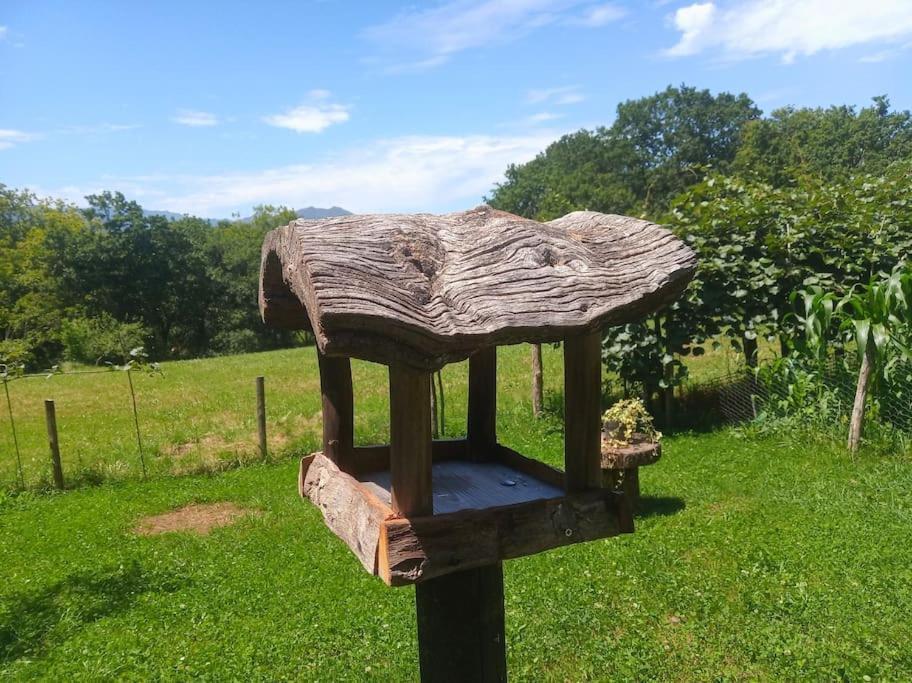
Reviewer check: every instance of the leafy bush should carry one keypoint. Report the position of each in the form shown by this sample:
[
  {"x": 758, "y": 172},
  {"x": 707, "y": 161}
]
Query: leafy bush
[
  {"x": 100, "y": 339},
  {"x": 15, "y": 352},
  {"x": 236, "y": 341},
  {"x": 623, "y": 422}
]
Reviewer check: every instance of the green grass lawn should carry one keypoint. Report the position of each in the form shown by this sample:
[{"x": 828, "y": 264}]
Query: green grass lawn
[{"x": 753, "y": 558}]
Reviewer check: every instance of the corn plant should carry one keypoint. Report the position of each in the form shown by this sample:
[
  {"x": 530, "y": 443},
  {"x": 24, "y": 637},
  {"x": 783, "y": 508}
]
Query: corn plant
[
  {"x": 879, "y": 317},
  {"x": 876, "y": 316}
]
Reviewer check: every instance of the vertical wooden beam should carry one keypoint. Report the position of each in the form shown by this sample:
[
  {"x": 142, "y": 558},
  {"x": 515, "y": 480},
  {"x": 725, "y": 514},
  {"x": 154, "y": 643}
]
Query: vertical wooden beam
[
  {"x": 482, "y": 413},
  {"x": 410, "y": 440},
  {"x": 537, "y": 382},
  {"x": 50, "y": 418},
  {"x": 338, "y": 410},
  {"x": 582, "y": 411},
  {"x": 461, "y": 627}
]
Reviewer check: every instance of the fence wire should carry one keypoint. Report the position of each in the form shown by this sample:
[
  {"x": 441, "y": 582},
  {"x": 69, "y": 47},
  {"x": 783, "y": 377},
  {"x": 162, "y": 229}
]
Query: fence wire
[{"x": 828, "y": 392}]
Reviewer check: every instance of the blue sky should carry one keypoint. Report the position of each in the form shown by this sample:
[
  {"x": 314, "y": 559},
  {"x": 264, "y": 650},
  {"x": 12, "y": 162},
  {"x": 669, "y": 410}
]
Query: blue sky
[{"x": 211, "y": 108}]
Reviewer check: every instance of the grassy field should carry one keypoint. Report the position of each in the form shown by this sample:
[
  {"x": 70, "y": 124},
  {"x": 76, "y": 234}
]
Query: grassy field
[
  {"x": 753, "y": 558},
  {"x": 199, "y": 415}
]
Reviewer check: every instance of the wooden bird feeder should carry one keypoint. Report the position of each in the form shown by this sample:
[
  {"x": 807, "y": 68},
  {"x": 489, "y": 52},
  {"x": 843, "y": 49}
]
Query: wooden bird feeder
[{"x": 415, "y": 292}]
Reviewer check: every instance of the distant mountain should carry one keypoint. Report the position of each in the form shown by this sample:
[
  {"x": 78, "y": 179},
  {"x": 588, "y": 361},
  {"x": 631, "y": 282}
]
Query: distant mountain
[
  {"x": 173, "y": 216},
  {"x": 170, "y": 215},
  {"x": 310, "y": 213}
]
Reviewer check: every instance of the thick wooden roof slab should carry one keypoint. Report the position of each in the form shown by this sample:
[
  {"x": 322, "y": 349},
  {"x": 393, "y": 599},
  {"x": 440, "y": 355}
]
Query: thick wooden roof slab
[{"x": 427, "y": 290}]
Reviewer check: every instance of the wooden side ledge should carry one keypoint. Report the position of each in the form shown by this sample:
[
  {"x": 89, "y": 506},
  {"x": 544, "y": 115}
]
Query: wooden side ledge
[
  {"x": 422, "y": 548},
  {"x": 350, "y": 511},
  {"x": 405, "y": 550}
]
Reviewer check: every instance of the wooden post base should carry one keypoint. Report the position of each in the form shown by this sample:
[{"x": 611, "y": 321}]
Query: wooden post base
[
  {"x": 461, "y": 626},
  {"x": 626, "y": 480}
]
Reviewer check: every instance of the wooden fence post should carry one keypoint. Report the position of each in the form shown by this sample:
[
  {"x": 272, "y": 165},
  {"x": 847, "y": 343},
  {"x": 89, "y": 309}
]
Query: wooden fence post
[
  {"x": 261, "y": 414},
  {"x": 50, "y": 417},
  {"x": 537, "y": 383}
]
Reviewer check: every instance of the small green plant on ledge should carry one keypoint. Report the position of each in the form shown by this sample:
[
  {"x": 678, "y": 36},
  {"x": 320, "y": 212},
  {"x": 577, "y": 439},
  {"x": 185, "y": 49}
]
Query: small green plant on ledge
[{"x": 628, "y": 422}]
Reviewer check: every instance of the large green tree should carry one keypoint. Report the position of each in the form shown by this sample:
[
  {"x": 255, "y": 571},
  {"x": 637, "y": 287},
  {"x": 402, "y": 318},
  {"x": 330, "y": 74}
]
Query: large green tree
[
  {"x": 32, "y": 234},
  {"x": 656, "y": 147},
  {"x": 828, "y": 144}
]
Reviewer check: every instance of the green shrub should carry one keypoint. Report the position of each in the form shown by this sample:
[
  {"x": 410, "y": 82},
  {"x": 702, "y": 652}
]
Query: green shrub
[
  {"x": 236, "y": 341},
  {"x": 100, "y": 339},
  {"x": 16, "y": 352}
]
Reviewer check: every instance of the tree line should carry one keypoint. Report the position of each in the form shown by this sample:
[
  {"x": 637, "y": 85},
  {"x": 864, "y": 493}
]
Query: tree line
[
  {"x": 803, "y": 197},
  {"x": 90, "y": 284},
  {"x": 769, "y": 203}
]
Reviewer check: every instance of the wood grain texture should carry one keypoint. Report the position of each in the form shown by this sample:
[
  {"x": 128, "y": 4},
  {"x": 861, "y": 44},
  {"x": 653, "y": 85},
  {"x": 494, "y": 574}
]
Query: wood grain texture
[
  {"x": 375, "y": 458},
  {"x": 416, "y": 549},
  {"x": 427, "y": 290},
  {"x": 405, "y": 550},
  {"x": 582, "y": 411},
  {"x": 410, "y": 440},
  {"x": 634, "y": 455},
  {"x": 338, "y": 410},
  {"x": 463, "y": 485},
  {"x": 533, "y": 468},
  {"x": 50, "y": 418},
  {"x": 351, "y": 512}
]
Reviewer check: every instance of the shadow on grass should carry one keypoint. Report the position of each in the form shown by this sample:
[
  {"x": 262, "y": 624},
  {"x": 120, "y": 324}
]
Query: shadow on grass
[
  {"x": 659, "y": 506},
  {"x": 32, "y": 622}
]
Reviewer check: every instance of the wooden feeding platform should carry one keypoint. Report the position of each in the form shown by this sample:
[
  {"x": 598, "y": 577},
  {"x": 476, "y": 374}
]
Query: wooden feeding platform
[
  {"x": 488, "y": 507},
  {"x": 415, "y": 292}
]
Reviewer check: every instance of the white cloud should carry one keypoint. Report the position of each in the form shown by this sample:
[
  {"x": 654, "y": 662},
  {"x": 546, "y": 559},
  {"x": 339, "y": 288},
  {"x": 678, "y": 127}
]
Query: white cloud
[
  {"x": 541, "y": 117},
  {"x": 421, "y": 38},
  {"x": 3, "y": 31},
  {"x": 195, "y": 119},
  {"x": 319, "y": 94},
  {"x": 567, "y": 94},
  {"x": 11, "y": 138},
  {"x": 884, "y": 55},
  {"x": 600, "y": 15},
  {"x": 313, "y": 117},
  {"x": 414, "y": 173},
  {"x": 99, "y": 128},
  {"x": 788, "y": 28}
]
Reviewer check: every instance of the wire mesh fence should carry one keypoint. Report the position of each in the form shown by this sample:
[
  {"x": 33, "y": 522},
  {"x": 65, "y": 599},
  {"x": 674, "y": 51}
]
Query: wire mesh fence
[{"x": 826, "y": 391}]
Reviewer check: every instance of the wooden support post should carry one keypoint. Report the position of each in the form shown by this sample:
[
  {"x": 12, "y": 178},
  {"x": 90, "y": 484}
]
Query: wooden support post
[
  {"x": 410, "y": 441},
  {"x": 482, "y": 413},
  {"x": 461, "y": 615},
  {"x": 461, "y": 626},
  {"x": 50, "y": 418},
  {"x": 537, "y": 382},
  {"x": 582, "y": 411},
  {"x": 338, "y": 410},
  {"x": 261, "y": 414}
]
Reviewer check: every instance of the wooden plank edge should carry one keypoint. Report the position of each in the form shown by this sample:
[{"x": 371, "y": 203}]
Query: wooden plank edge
[
  {"x": 306, "y": 462},
  {"x": 411, "y": 550},
  {"x": 376, "y": 458},
  {"x": 349, "y": 510}
]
